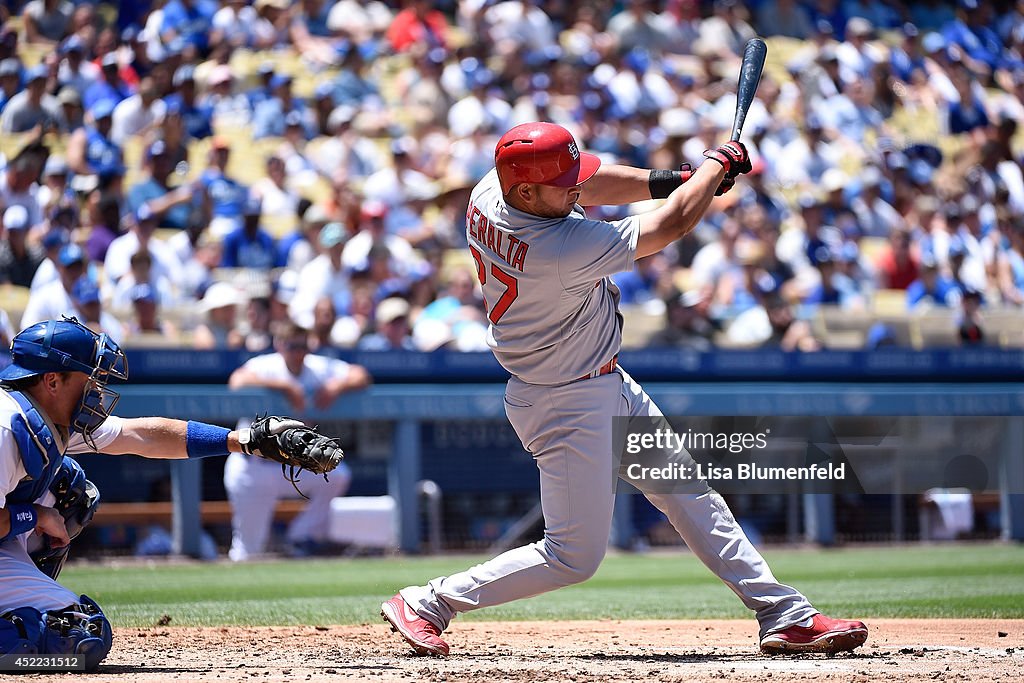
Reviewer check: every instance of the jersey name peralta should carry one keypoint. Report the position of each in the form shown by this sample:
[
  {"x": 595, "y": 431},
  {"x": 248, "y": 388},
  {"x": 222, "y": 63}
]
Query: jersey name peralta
[{"x": 552, "y": 307}]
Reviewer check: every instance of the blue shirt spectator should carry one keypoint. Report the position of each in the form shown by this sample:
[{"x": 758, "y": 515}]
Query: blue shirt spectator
[
  {"x": 932, "y": 287},
  {"x": 109, "y": 86},
  {"x": 249, "y": 246},
  {"x": 979, "y": 41},
  {"x": 189, "y": 19}
]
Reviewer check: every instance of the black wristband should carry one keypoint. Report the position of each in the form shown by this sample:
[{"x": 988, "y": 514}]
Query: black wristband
[{"x": 662, "y": 183}]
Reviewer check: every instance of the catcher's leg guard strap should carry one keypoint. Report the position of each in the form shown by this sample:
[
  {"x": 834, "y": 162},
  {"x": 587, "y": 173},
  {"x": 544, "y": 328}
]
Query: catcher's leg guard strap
[
  {"x": 19, "y": 631},
  {"x": 80, "y": 629}
]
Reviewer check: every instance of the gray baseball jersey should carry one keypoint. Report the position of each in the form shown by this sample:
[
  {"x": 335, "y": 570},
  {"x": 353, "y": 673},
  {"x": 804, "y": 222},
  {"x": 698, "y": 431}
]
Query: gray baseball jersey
[{"x": 553, "y": 310}]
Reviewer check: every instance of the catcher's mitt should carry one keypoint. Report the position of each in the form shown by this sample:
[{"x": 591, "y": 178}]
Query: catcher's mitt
[{"x": 293, "y": 444}]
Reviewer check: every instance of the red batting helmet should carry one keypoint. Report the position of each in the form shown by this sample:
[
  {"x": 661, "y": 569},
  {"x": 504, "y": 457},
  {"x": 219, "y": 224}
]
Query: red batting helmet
[{"x": 542, "y": 153}]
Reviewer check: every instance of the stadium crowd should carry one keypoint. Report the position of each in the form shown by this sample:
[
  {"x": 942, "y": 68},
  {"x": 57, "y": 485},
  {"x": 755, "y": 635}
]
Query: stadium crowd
[{"x": 202, "y": 171}]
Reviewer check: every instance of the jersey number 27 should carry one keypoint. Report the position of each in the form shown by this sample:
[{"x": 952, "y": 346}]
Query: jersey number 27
[{"x": 510, "y": 282}]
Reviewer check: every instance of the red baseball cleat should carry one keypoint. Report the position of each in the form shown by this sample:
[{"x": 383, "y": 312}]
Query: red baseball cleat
[
  {"x": 823, "y": 635},
  {"x": 417, "y": 631}
]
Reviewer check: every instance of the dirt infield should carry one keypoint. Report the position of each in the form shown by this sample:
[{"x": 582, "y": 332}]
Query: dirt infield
[{"x": 897, "y": 650}]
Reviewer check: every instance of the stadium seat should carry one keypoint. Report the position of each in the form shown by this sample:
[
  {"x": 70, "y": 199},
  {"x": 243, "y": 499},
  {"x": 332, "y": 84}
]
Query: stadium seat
[{"x": 935, "y": 328}]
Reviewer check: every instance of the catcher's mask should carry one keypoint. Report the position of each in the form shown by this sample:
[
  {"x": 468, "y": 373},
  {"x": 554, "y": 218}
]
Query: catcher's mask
[{"x": 68, "y": 345}]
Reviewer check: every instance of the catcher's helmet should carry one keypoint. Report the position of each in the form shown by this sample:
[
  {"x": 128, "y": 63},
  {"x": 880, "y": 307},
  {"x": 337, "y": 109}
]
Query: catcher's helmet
[
  {"x": 542, "y": 153},
  {"x": 69, "y": 346}
]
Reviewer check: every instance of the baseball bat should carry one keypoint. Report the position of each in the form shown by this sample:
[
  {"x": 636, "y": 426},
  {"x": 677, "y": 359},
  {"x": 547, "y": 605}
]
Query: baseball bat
[{"x": 750, "y": 75}]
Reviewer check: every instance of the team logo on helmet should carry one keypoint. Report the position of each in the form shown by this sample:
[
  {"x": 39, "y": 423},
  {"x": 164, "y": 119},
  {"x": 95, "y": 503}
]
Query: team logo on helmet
[{"x": 574, "y": 151}]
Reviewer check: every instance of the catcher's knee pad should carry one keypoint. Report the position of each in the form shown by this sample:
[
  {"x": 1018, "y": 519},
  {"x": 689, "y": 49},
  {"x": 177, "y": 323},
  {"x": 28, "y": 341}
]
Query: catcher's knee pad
[
  {"x": 20, "y": 631},
  {"x": 77, "y": 500},
  {"x": 80, "y": 629}
]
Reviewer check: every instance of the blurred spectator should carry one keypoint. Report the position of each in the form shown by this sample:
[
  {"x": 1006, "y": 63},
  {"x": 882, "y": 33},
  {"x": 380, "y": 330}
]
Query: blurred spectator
[
  {"x": 638, "y": 286},
  {"x": 391, "y": 321},
  {"x": 270, "y": 116},
  {"x": 417, "y": 23},
  {"x": 726, "y": 29},
  {"x": 141, "y": 273},
  {"x": 257, "y": 324},
  {"x": 234, "y": 24},
  {"x": 277, "y": 198},
  {"x": 971, "y": 32},
  {"x": 324, "y": 317},
  {"x": 346, "y": 155},
  {"x": 897, "y": 265},
  {"x": 188, "y": 20},
  {"x": 18, "y": 259},
  {"x": 52, "y": 300},
  {"x": 220, "y": 329},
  {"x": 1010, "y": 266},
  {"x": 55, "y": 193},
  {"x": 255, "y": 485},
  {"x": 688, "y": 323},
  {"x": 969, "y": 323},
  {"x": 875, "y": 216},
  {"x": 197, "y": 273},
  {"x": 52, "y": 242},
  {"x": 783, "y": 18},
  {"x": 638, "y": 26},
  {"x": 47, "y": 21},
  {"x": 104, "y": 216},
  {"x": 32, "y": 107},
  {"x": 772, "y": 324},
  {"x": 298, "y": 248},
  {"x": 226, "y": 108},
  {"x": 171, "y": 206},
  {"x": 197, "y": 117},
  {"x": 109, "y": 86},
  {"x": 932, "y": 287},
  {"x": 75, "y": 72},
  {"x": 18, "y": 187},
  {"x": 91, "y": 150},
  {"x": 323, "y": 276},
  {"x": 145, "y": 311},
  {"x": 249, "y": 246},
  {"x": 10, "y": 77},
  {"x": 86, "y": 297},
  {"x": 138, "y": 113},
  {"x": 373, "y": 232},
  {"x": 140, "y": 237},
  {"x": 223, "y": 197}
]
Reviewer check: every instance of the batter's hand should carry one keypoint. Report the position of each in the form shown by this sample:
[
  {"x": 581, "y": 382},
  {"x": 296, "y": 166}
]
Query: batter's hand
[
  {"x": 727, "y": 184},
  {"x": 732, "y": 156},
  {"x": 50, "y": 523}
]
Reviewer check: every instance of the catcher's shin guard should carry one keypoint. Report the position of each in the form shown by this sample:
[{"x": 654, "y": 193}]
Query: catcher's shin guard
[
  {"x": 77, "y": 500},
  {"x": 80, "y": 629}
]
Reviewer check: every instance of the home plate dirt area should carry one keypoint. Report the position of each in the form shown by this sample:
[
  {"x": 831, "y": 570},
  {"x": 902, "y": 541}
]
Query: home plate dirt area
[{"x": 612, "y": 650}]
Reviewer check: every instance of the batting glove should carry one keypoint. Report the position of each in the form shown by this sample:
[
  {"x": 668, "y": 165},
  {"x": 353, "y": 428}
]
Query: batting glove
[{"x": 732, "y": 156}]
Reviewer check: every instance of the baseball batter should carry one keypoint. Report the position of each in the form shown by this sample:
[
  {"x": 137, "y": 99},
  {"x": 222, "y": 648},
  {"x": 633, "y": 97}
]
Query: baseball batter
[
  {"x": 554, "y": 325},
  {"x": 55, "y": 402}
]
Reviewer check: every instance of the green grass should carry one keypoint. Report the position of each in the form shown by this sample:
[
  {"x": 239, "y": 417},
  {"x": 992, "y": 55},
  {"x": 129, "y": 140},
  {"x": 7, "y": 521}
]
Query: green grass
[{"x": 944, "y": 581}]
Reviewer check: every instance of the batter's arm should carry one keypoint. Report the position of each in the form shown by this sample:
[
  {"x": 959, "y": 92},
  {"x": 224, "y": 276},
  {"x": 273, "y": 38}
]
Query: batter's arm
[
  {"x": 681, "y": 211},
  {"x": 614, "y": 184}
]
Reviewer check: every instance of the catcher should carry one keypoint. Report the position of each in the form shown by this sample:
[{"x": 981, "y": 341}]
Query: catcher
[{"x": 55, "y": 401}]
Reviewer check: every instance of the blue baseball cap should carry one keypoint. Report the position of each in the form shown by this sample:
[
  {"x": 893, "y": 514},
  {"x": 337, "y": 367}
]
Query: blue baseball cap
[
  {"x": 54, "y": 239},
  {"x": 85, "y": 291},
  {"x": 279, "y": 80},
  {"x": 36, "y": 73},
  {"x": 102, "y": 109},
  {"x": 70, "y": 255}
]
